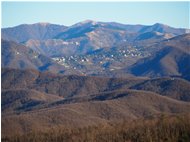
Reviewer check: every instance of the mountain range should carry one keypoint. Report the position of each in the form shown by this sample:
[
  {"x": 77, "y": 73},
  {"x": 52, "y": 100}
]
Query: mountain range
[
  {"x": 91, "y": 74},
  {"x": 98, "y": 48}
]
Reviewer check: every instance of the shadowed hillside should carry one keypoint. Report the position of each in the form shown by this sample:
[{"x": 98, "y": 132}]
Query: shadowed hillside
[
  {"x": 172, "y": 60},
  {"x": 44, "y": 100}
]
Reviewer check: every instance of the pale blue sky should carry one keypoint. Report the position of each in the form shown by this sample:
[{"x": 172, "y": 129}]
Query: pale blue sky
[{"x": 175, "y": 14}]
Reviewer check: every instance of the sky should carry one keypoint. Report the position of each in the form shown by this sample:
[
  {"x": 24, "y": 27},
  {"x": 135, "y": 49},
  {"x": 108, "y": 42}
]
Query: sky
[{"x": 175, "y": 14}]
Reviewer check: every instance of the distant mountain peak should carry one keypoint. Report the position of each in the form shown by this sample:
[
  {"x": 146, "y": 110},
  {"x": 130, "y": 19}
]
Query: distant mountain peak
[
  {"x": 88, "y": 21},
  {"x": 42, "y": 23},
  {"x": 91, "y": 22},
  {"x": 160, "y": 25}
]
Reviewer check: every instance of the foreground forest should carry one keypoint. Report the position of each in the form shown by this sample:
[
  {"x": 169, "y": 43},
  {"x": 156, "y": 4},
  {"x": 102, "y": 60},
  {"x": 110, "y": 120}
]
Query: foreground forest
[
  {"x": 46, "y": 107},
  {"x": 165, "y": 128}
]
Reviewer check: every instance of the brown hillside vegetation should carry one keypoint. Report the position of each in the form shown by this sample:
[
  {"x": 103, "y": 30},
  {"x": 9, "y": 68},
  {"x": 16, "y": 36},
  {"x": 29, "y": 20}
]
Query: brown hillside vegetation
[
  {"x": 122, "y": 105},
  {"x": 72, "y": 86},
  {"x": 171, "y": 87},
  {"x": 163, "y": 128},
  {"x": 172, "y": 60},
  {"x": 34, "y": 101}
]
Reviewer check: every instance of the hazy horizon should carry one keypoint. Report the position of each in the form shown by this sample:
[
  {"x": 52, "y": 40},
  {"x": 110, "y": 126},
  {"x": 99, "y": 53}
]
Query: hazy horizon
[
  {"x": 42, "y": 22},
  {"x": 175, "y": 14}
]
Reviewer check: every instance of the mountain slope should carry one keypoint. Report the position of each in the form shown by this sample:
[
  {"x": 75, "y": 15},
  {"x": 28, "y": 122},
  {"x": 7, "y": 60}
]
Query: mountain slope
[
  {"x": 171, "y": 87},
  {"x": 66, "y": 86},
  {"x": 38, "y": 31},
  {"x": 133, "y": 105},
  {"x": 172, "y": 60},
  {"x": 44, "y": 100},
  {"x": 18, "y": 56},
  {"x": 24, "y": 99},
  {"x": 158, "y": 27},
  {"x": 83, "y": 86}
]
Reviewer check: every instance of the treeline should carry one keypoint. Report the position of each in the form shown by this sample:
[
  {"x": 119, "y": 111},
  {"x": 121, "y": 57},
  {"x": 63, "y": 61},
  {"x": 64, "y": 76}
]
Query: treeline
[{"x": 162, "y": 129}]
